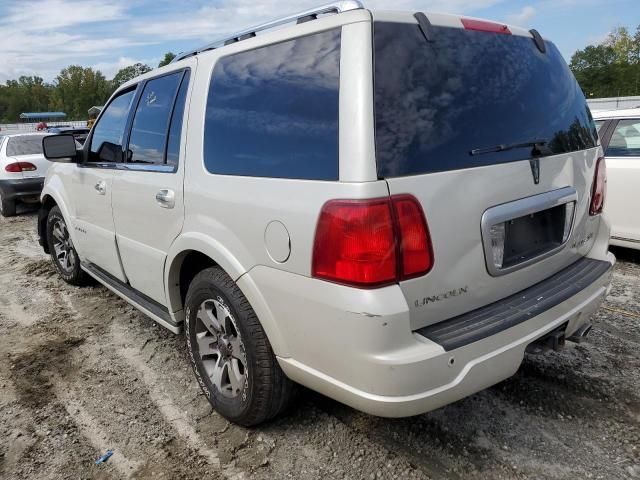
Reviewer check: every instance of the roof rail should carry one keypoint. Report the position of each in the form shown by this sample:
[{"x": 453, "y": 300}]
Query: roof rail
[{"x": 312, "y": 14}]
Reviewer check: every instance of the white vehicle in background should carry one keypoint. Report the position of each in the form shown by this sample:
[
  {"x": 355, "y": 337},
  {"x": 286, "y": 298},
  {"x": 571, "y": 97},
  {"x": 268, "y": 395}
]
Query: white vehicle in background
[
  {"x": 22, "y": 170},
  {"x": 620, "y": 136}
]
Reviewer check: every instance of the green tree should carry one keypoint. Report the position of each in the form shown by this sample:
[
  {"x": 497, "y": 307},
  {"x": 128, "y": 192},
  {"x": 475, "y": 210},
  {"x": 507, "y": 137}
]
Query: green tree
[
  {"x": 128, "y": 73},
  {"x": 612, "y": 68},
  {"x": 168, "y": 57},
  {"x": 77, "y": 89},
  {"x": 27, "y": 94}
]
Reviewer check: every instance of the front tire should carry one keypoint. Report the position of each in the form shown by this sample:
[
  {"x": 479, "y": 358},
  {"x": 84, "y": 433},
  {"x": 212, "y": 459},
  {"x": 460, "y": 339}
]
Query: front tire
[
  {"x": 230, "y": 353},
  {"x": 63, "y": 253},
  {"x": 7, "y": 207}
]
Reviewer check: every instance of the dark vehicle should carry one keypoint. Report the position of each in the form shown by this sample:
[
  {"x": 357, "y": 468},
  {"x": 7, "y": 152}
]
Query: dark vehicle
[{"x": 79, "y": 133}]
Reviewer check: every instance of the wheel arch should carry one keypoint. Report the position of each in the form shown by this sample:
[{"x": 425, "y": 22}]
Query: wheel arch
[
  {"x": 49, "y": 199},
  {"x": 192, "y": 253}
]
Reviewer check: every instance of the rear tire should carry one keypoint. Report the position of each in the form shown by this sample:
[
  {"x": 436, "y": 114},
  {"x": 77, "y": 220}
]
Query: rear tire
[
  {"x": 230, "y": 353},
  {"x": 7, "y": 207},
  {"x": 63, "y": 253}
]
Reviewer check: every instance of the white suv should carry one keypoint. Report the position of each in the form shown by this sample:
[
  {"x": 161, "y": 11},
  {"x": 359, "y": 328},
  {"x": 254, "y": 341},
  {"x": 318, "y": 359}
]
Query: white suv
[{"x": 388, "y": 208}]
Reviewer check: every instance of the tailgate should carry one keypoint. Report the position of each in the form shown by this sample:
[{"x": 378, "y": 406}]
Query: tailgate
[
  {"x": 494, "y": 138},
  {"x": 455, "y": 203}
]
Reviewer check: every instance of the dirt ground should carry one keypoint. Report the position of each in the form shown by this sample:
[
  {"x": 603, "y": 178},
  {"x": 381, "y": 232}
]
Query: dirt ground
[{"x": 82, "y": 372}]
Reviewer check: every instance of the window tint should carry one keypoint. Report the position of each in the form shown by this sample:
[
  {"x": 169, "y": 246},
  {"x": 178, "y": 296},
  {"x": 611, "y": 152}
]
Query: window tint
[
  {"x": 273, "y": 112},
  {"x": 151, "y": 122},
  {"x": 106, "y": 143},
  {"x": 437, "y": 101},
  {"x": 24, "y": 145},
  {"x": 625, "y": 141},
  {"x": 175, "y": 131}
]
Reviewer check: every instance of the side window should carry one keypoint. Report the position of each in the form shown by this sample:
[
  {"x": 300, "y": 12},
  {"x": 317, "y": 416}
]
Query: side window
[
  {"x": 175, "y": 130},
  {"x": 150, "y": 127},
  {"x": 625, "y": 141},
  {"x": 273, "y": 111},
  {"x": 599, "y": 124},
  {"x": 106, "y": 143}
]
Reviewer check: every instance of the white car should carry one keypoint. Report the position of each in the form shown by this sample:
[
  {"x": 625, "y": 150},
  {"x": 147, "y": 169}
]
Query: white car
[
  {"x": 620, "y": 135},
  {"x": 22, "y": 170},
  {"x": 394, "y": 234}
]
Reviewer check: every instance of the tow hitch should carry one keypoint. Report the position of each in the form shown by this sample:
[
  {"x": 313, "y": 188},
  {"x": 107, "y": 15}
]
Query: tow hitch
[{"x": 554, "y": 340}]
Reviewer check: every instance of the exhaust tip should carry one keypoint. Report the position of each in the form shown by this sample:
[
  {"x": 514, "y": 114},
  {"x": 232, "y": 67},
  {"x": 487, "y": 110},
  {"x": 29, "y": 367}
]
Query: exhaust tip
[{"x": 581, "y": 334}]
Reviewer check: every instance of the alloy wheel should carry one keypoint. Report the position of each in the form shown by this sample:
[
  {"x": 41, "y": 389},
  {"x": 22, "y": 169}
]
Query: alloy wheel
[
  {"x": 220, "y": 348},
  {"x": 63, "y": 247}
]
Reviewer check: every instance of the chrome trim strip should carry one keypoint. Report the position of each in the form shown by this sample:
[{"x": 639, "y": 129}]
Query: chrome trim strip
[
  {"x": 133, "y": 167},
  {"x": 336, "y": 7},
  {"x": 521, "y": 208},
  {"x": 622, "y": 239}
]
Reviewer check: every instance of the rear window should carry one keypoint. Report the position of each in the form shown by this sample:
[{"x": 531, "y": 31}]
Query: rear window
[
  {"x": 273, "y": 111},
  {"x": 437, "y": 101},
  {"x": 24, "y": 145}
]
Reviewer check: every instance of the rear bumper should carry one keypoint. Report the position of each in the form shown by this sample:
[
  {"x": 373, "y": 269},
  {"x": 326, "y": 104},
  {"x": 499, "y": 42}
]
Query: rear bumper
[
  {"x": 358, "y": 348},
  {"x": 20, "y": 188}
]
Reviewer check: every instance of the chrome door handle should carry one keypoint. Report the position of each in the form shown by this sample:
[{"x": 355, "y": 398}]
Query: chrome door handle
[
  {"x": 166, "y": 198},
  {"x": 101, "y": 187}
]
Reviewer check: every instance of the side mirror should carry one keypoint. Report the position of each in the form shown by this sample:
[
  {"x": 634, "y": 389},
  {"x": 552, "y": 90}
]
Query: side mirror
[{"x": 60, "y": 148}]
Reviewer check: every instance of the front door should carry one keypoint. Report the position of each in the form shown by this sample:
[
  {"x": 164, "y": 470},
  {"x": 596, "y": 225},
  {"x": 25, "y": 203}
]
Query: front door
[
  {"x": 148, "y": 207},
  {"x": 92, "y": 189}
]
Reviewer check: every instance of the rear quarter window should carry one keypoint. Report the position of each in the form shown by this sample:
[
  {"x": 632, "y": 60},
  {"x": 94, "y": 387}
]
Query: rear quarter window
[{"x": 273, "y": 111}]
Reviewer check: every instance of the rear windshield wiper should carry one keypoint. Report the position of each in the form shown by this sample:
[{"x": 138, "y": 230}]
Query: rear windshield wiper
[{"x": 537, "y": 146}]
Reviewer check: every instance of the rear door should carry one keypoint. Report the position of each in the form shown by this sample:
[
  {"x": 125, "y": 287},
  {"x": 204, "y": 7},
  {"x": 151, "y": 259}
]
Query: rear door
[
  {"x": 494, "y": 138},
  {"x": 92, "y": 187},
  {"x": 623, "y": 172},
  {"x": 148, "y": 206}
]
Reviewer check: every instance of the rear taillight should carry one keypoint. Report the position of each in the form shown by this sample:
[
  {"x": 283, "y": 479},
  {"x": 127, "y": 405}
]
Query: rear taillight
[
  {"x": 599, "y": 190},
  {"x": 18, "y": 167},
  {"x": 484, "y": 26},
  {"x": 372, "y": 243},
  {"x": 415, "y": 242}
]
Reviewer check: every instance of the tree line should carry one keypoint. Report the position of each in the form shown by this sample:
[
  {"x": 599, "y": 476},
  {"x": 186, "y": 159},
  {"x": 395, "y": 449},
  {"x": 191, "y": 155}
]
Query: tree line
[
  {"x": 74, "y": 91},
  {"x": 611, "y": 68}
]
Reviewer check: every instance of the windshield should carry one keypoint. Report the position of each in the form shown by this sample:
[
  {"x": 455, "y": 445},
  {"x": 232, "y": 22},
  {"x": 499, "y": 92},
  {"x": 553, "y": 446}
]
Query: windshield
[
  {"x": 438, "y": 101},
  {"x": 24, "y": 145}
]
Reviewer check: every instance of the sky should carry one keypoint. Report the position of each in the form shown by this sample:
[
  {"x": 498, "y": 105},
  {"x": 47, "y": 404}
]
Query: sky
[{"x": 40, "y": 37}]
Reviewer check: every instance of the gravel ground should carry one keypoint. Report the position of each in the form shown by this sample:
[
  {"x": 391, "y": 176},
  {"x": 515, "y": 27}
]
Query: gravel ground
[{"x": 82, "y": 372}]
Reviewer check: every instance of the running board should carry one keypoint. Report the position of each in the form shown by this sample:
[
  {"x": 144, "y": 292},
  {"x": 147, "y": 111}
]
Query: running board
[{"x": 154, "y": 310}]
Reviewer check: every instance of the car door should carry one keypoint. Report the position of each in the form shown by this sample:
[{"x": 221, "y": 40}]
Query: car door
[
  {"x": 623, "y": 172},
  {"x": 148, "y": 207},
  {"x": 92, "y": 187}
]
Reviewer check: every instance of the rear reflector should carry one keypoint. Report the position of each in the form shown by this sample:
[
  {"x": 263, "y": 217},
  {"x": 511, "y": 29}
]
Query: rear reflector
[
  {"x": 484, "y": 26},
  {"x": 371, "y": 243},
  {"x": 18, "y": 167},
  {"x": 599, "y": 191}
]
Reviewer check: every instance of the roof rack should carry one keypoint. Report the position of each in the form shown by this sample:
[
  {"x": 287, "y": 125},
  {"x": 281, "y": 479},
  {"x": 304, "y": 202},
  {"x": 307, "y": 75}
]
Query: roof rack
[{"x": 302, "y": 17}]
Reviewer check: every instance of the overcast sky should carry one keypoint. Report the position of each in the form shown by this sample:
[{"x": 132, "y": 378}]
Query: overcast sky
[{"x": 39, "y": 37}]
